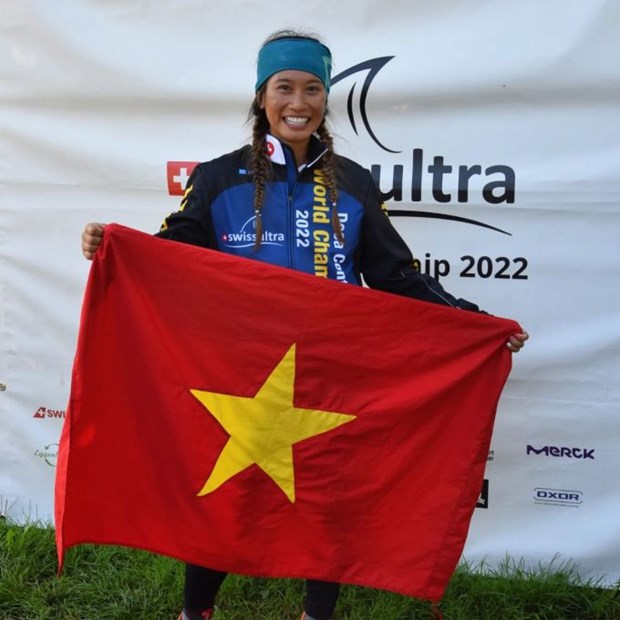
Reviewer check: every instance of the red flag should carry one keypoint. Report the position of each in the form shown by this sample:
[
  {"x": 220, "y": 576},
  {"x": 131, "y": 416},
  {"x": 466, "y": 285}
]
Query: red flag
[{"x": 262, "y": 421}]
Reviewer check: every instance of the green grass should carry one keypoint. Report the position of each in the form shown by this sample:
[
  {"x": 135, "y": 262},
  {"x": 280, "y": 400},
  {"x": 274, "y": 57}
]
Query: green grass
[{"x": 110, "y": 583}]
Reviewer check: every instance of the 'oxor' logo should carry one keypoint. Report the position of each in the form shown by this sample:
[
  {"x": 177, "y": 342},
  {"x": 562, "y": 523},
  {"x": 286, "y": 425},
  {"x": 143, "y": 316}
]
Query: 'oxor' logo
[{"x": 558, "y": 497}]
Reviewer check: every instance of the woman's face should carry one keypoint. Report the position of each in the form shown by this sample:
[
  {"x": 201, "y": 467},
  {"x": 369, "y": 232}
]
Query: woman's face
[{"x": 294, "y": 103}]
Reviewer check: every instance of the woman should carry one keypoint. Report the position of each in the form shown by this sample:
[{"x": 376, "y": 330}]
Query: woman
[{"x": 288, "y": 199}]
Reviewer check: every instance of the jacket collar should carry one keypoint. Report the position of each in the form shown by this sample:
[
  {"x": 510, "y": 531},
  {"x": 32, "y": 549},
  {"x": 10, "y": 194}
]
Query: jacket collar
[{"x": 275, "y": 148}]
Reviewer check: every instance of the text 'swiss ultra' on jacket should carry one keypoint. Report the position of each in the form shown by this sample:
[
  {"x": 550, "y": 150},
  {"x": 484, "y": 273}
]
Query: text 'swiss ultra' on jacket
[{"x": 217, "y": 212}]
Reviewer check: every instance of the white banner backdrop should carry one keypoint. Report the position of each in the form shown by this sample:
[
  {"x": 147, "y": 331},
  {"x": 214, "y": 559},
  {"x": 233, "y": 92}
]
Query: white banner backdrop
[{"x": 491, "y": 127}]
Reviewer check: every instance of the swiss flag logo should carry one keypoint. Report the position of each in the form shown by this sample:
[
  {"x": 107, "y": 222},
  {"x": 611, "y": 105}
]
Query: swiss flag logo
[
  {"x": 178, "y": 175},
  {"x": 40, "y": 412}
]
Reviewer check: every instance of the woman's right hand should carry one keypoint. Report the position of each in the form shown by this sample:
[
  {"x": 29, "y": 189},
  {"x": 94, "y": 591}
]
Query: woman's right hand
[{"x": 91, "y": 239}]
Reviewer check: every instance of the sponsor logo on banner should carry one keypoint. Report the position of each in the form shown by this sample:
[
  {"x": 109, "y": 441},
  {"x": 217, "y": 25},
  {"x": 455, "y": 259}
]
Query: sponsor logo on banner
[
  {"x": 500, "y": 188},
  {"x": 48, "y": 454},
  {"x": 246, "y": 236},
  {"x": 562, "y": 452},
  {"x": 558, "y": 497},
  {"x": 421, "y": 171},
  {"x": 483, "y": 499},
  {"x": 43, "y": 412},
  {"x": 178, "y": 175}
]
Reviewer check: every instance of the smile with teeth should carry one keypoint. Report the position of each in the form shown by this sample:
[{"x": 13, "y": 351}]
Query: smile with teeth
[{"x": 298, "y": 121}]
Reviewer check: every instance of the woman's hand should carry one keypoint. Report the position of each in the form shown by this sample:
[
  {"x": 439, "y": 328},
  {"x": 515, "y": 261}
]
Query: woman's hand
[
  {"x": 91, "y": 239},
  {"x": 516, "y": 341}
]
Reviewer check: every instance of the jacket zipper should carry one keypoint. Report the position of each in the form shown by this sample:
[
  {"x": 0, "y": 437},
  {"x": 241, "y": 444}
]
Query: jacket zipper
[{"x": 291, "y": 222}]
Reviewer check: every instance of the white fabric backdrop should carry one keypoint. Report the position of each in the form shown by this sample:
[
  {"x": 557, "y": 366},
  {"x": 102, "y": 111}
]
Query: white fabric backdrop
[{"x": 97, "y": 98}]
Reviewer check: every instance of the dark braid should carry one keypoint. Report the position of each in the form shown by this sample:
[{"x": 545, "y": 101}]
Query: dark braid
[
  {"x": 260, "y": 164},
  {"x": 328, "y": 166}
]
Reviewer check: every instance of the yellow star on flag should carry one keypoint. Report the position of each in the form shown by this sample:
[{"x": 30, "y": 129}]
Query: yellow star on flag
[{"x": 263, "y": 429}]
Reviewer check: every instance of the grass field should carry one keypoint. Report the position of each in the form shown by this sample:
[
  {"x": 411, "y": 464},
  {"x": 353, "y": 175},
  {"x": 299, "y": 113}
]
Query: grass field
[{"x": 111, "y": 583}]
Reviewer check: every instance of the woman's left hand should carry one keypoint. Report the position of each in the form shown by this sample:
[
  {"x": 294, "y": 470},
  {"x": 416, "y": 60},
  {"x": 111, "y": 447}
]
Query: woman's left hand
[{"x": 516, "y": 341}]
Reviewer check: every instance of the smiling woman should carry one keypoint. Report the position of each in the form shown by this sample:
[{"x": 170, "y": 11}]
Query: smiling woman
[
  {"x": 288, "y": 199},
  {"x": 294, "y": 102},
  {"x": 293, "y": 81}
]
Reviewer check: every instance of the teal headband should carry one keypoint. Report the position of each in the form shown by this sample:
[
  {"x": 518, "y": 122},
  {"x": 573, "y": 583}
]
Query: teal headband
[{"x": 294, "y": 53}]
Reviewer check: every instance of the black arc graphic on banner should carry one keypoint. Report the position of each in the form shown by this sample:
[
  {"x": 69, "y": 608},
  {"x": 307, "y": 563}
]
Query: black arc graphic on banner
[
  {"x": 444, "y": 216},
  {"x": 373, "y": 67}
]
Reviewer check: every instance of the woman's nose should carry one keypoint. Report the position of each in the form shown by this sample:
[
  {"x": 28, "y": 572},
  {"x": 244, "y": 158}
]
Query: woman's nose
[{"x": 298, "y": 100}]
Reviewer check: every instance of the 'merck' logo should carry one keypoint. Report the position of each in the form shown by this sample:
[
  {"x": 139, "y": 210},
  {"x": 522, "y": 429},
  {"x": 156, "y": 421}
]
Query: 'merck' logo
[
  {"x": 498, "y": 181},
  {"x": 562, "y": 452}
]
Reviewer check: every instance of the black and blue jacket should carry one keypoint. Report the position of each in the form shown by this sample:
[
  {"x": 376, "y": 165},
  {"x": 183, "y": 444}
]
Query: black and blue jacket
[{"x": 217, "y": 212}]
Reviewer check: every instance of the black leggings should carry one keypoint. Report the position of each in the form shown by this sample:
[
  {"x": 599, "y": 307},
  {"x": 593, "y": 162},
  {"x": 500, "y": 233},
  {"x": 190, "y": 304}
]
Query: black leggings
[{"x": 202, "y": 584}]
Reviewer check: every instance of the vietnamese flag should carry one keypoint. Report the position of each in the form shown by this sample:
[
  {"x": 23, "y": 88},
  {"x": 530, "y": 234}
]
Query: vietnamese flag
[{"x": 262, "y": 421}]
